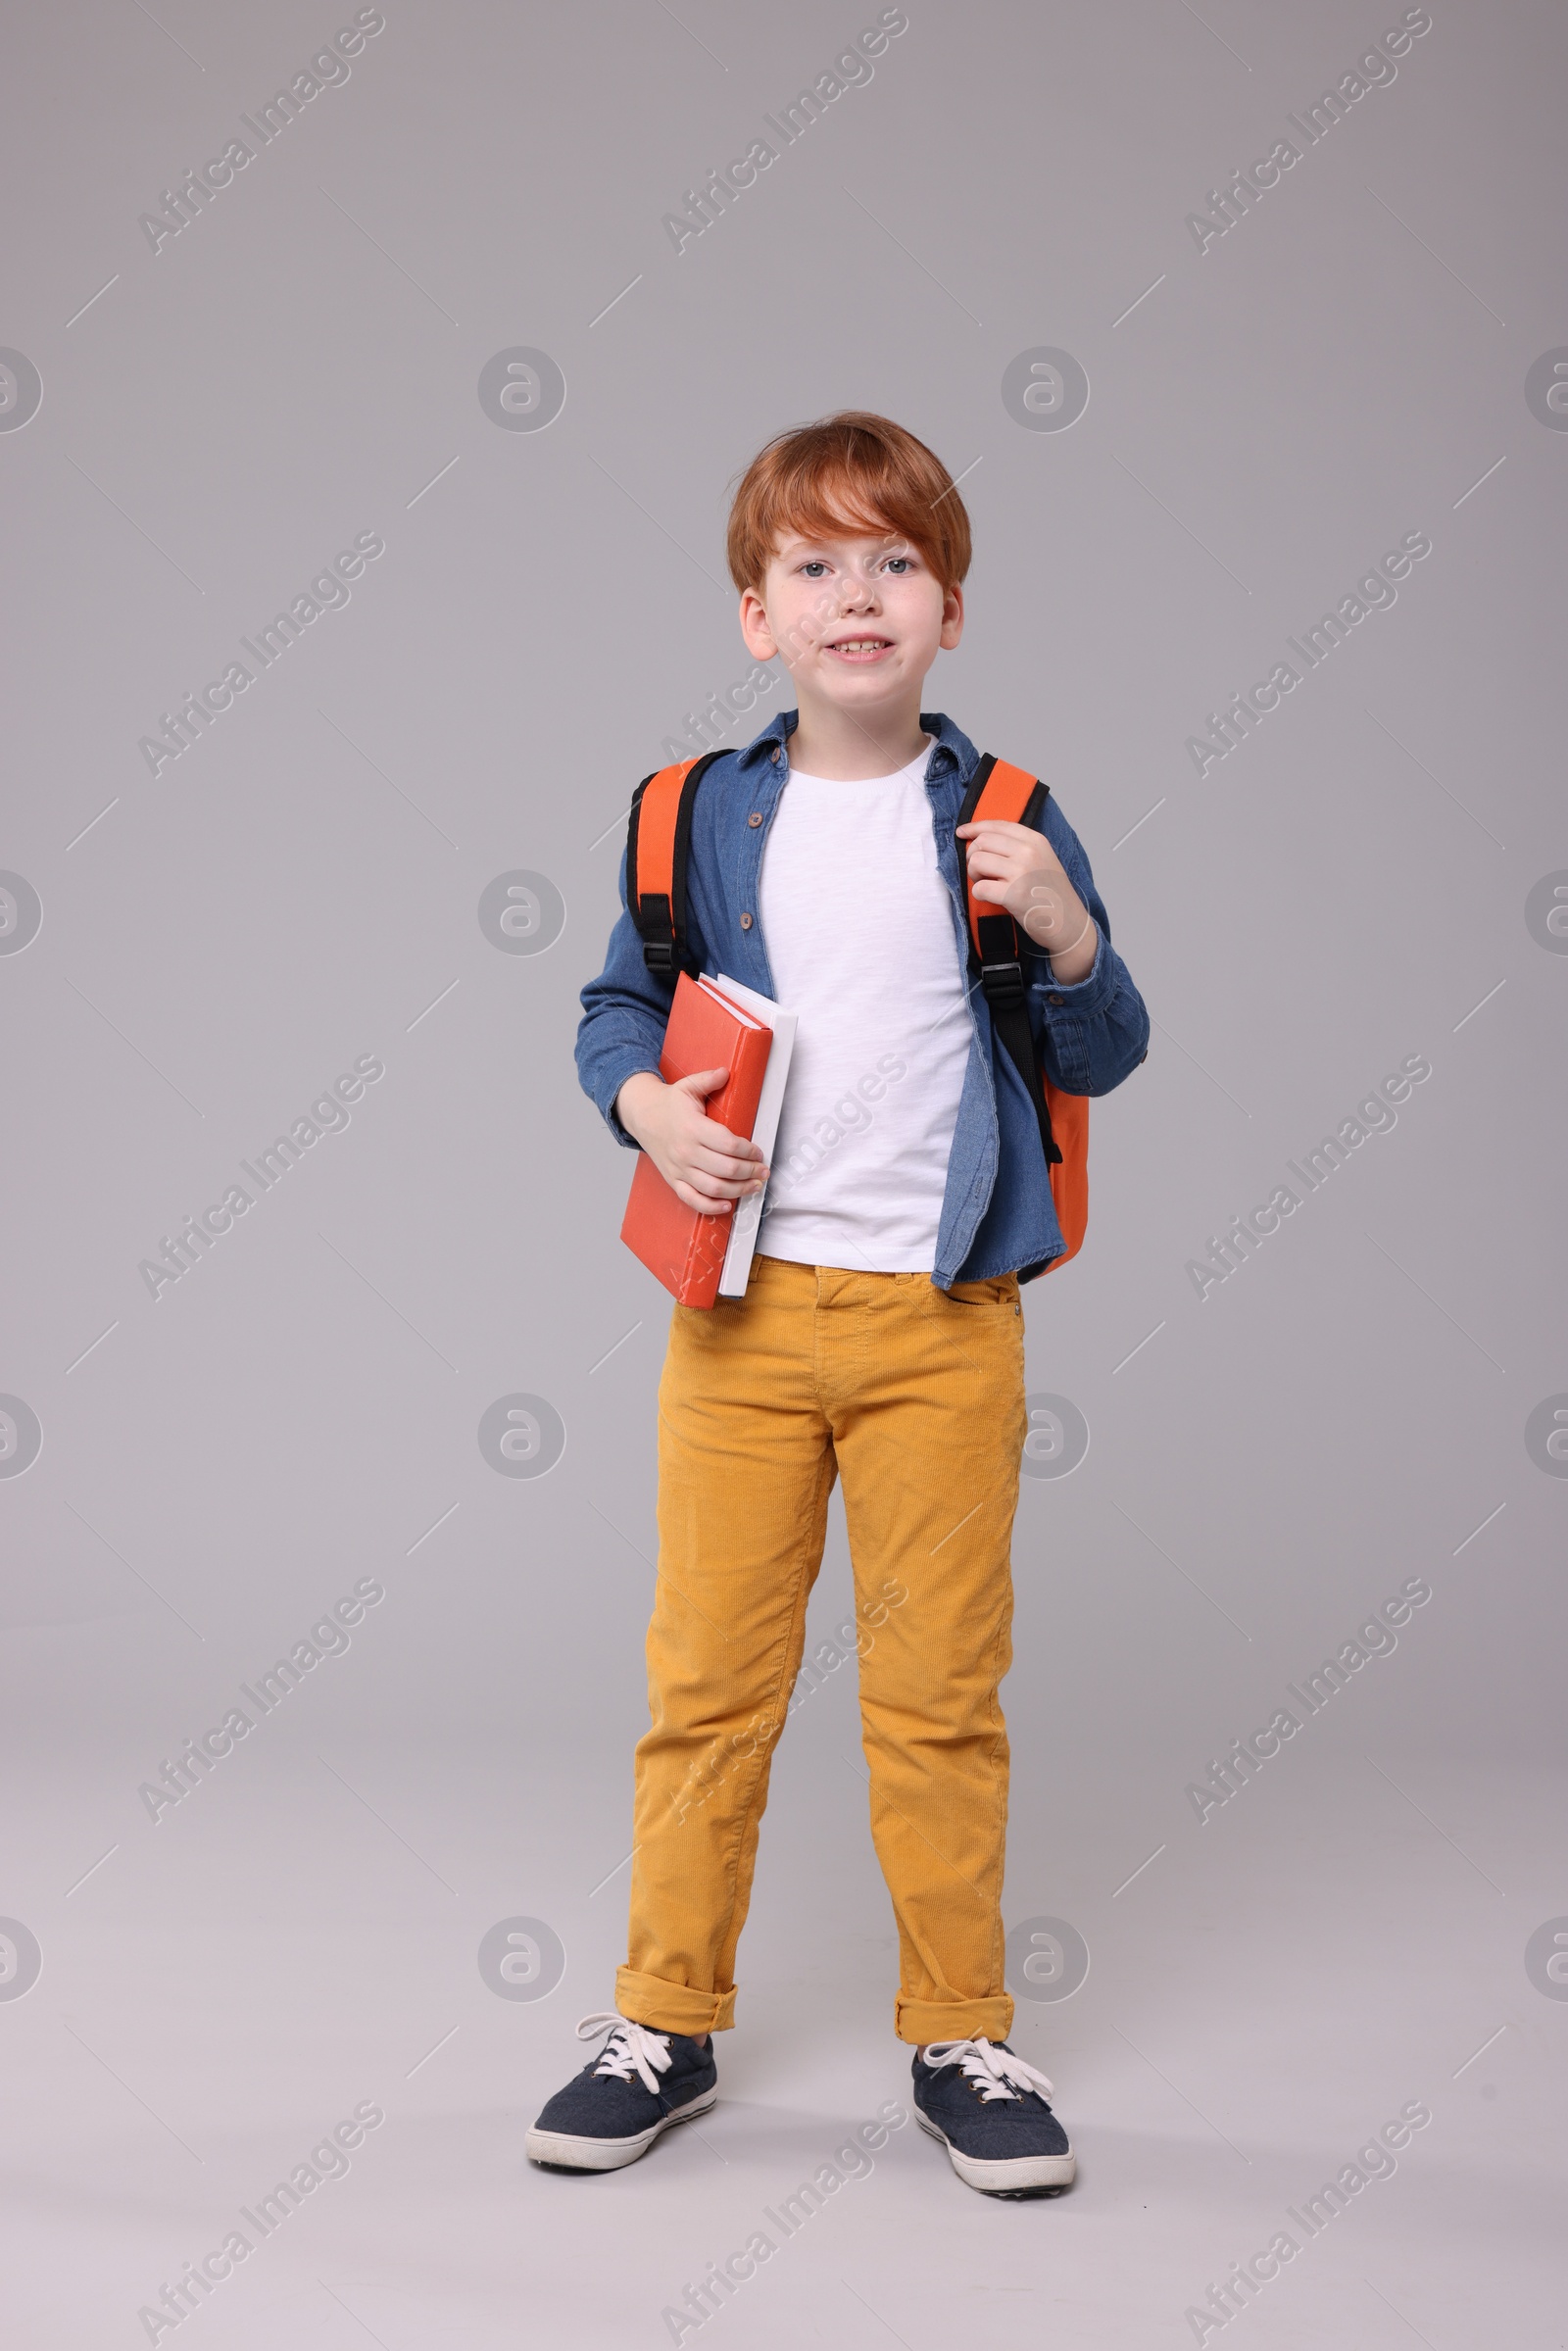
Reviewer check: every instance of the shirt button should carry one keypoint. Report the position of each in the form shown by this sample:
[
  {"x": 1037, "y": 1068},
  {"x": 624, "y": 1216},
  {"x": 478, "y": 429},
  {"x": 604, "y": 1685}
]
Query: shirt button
[
  {"x": 1054, "y": 1000},
  {"x": 755, "y": 817},
  {"x": 746, "y": 922},
  {"x": 775, "y": 755}
]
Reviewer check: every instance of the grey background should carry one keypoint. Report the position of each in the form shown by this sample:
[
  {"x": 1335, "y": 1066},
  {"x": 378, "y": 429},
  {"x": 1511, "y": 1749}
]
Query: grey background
[{"x": 301, "y": 363}]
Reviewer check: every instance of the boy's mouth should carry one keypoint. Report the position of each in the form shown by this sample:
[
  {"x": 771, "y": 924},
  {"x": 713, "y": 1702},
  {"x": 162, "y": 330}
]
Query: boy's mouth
[{"x": 859, "y": 649}]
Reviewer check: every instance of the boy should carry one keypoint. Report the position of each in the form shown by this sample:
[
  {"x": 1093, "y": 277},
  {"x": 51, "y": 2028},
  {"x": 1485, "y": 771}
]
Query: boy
[{"x": 881, "y": 1336}]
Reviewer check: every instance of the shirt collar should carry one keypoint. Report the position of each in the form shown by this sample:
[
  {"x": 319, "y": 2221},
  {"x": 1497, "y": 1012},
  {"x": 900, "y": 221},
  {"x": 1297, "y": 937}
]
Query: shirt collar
[{"x": 951, "y": 754}]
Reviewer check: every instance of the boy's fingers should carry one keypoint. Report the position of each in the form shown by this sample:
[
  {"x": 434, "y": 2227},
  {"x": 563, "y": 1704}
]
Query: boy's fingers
[
  {"x": 997, "y": 824},
  {"x": 713, "y": 1192},
  {"x": 726, "y": 1168},
  {"x": 1009, "y": 844},
  {"x": 705, "y": 1208},
  {"x": 715, "y": 1137}
]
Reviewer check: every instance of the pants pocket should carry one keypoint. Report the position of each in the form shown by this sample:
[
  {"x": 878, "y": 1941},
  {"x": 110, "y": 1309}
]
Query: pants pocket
[{"x": 1001, "y": 1292}]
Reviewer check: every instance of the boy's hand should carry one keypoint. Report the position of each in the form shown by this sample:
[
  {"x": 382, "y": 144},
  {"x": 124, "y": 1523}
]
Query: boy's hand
[
  {"x": 705, "y": 1166},
  {"x": 1011, "y": 866}
]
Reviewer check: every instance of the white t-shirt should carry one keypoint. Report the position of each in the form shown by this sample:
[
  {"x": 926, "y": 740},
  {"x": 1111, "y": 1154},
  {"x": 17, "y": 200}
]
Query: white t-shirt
[{"x": 860, "y": 933}]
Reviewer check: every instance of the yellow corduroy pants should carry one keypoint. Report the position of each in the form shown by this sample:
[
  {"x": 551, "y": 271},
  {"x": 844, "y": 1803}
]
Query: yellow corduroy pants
[{"x": 915, "y": 1396}]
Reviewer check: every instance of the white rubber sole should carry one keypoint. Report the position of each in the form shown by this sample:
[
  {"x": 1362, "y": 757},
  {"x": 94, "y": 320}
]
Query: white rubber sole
[
  {"x": 609, "y": 2154},
  {"x": 1008, "y": 2177}
]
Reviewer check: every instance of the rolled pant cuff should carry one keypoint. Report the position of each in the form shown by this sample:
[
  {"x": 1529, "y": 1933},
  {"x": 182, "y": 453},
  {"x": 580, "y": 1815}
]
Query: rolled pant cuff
[
  {"x": 671, "y": 2007},
  {"x": 922, "y": 2021}
]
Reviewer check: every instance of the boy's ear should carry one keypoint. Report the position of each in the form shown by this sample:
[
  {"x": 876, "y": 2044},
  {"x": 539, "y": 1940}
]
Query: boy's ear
[
  {"x": 755, "y": 633},
  {"x": 951, "y": 619}
]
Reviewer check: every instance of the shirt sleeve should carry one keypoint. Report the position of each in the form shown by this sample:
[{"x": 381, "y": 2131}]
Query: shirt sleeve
[
  {"x": 1094, "y": 1033},
  {"x": 624, "y": 1012}
]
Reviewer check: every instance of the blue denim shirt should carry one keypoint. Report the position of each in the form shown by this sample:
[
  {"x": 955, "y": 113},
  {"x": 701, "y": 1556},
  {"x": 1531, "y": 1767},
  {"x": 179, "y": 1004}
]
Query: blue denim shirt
[{"x": 997, "y": 1215}]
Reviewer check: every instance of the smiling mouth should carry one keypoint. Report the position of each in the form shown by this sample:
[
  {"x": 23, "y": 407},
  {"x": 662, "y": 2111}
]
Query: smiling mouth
[{"x": 860, "y": 649}]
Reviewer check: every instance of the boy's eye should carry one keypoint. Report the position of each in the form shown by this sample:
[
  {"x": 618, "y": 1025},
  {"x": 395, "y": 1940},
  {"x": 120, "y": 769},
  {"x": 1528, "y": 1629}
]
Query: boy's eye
[
  {"x": 813, "y": 565},
  {"x": 897, "y": 562}
]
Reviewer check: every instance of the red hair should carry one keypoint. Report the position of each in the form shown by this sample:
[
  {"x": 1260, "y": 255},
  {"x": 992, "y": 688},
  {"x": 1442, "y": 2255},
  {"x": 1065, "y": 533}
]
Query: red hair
[{"x": 852, "y": 469}]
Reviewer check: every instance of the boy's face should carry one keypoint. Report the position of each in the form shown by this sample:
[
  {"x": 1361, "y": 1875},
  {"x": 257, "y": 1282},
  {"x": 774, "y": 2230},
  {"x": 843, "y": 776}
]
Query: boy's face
[{"x": 857, "y": 617}]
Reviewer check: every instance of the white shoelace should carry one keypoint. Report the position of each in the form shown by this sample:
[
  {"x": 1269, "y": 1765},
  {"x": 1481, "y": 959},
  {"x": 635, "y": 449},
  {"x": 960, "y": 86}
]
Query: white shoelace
[
  {"x": 995, "y": 2071},
  {"x": 630, "y": 2049}
]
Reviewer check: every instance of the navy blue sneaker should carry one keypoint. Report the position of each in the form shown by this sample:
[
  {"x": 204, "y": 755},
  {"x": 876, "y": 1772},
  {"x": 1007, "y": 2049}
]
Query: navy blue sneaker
[
  {"x": 986, "y": 2107},
  {"x": 614, "y": 2109}
]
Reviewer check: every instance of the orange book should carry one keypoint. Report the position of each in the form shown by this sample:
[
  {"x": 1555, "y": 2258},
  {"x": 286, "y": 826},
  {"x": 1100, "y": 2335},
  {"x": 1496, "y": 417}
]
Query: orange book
[{"x": 683, "y": 1248}]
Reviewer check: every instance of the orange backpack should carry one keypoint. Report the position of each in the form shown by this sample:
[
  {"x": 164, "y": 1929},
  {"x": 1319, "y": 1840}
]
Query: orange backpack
[{"x": 658, "y": 844}]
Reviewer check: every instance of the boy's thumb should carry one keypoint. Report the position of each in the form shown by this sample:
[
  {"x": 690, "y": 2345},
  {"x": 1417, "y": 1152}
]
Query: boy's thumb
[{"x": 703, "y": 1082}]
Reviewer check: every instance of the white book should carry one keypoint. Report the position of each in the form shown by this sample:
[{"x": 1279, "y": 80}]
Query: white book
[{"x": 748, "y": 1212}]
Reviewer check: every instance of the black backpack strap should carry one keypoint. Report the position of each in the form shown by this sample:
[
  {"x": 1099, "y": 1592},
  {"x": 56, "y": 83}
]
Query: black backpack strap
[
  {"x": 996, "y": 958},
  {"x": 659, "y": 835}
]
